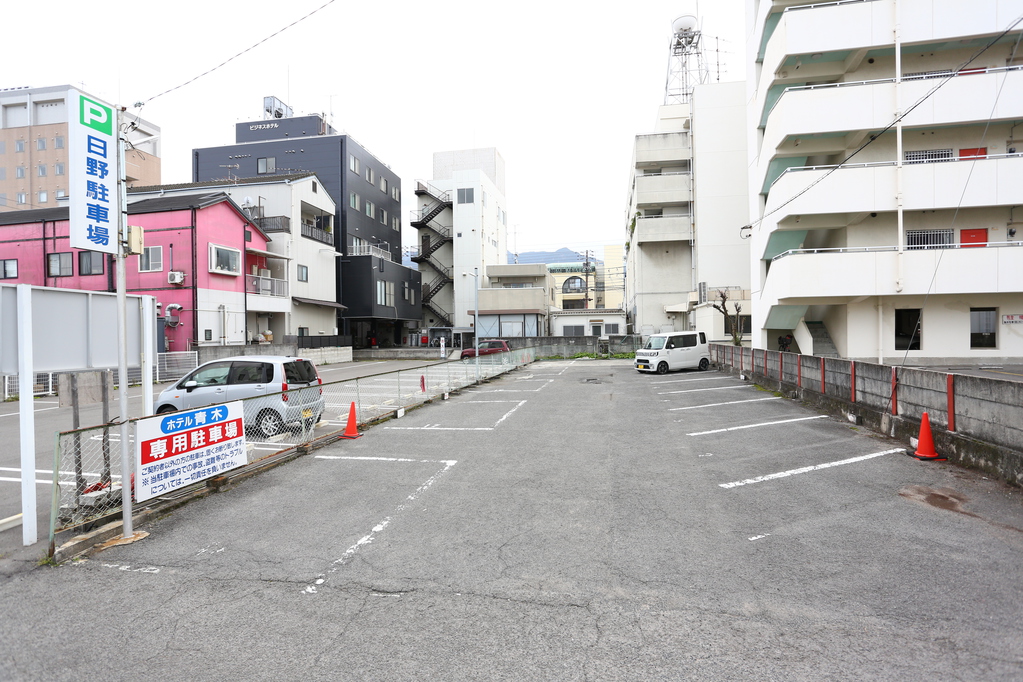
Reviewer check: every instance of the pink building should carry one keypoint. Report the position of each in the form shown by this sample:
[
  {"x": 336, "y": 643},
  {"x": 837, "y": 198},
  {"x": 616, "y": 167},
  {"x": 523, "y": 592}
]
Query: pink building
[{"x": 198, "y": 252}]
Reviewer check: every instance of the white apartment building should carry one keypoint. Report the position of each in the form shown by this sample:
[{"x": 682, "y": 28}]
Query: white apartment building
[
  {"x": 296, "y": 294},
  {"x": 687, "y": 203},
  {"x": 462, "y": 224},
  {"x": 33, "y": 149},
  {"x": 886, "y": 178}
]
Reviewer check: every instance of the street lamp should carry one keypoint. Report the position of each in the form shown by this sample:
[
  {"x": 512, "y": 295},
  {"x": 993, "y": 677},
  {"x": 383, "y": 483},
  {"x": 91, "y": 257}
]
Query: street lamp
[{"x": 475, "y": 274}]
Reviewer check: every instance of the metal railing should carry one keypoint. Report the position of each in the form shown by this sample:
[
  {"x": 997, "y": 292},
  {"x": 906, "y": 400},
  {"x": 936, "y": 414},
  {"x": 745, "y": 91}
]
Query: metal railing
[
  {"x": 266, "y": 286},
  {"x": 313, "y": 232},
  {"x": 169, "y": 366},
  {"x": 366, "y": 250},
  {"x": 276, "y": 223},
  {"x": 878, "y": 164},
  {"x": 889, "y": 249}
]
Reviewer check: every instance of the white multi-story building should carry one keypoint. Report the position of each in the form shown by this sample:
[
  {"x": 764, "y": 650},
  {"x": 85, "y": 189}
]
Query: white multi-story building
[
  {"x": 462, "y": 222},
  {"x": 886, "y": 178},
  {"x": 687, "y": 203},
  {"x": 296, "y": 293}
]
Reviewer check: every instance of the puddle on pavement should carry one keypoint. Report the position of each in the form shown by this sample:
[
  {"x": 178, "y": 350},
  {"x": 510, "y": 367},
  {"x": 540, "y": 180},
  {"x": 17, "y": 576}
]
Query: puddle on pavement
[{"x": 949, "y": 500}]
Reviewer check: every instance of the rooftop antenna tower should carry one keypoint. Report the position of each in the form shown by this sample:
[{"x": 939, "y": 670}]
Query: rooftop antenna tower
[{"x": 686, "y": 69}]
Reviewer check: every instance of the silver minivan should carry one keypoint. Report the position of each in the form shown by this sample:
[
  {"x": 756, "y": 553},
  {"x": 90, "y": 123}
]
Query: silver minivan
[
  {"x": 271, "y": 379},
  {"x": 672, "y": 351}
]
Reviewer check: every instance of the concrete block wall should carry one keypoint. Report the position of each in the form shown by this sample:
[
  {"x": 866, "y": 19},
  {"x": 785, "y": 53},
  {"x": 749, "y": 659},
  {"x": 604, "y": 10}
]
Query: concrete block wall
[
  {"x": 990, "y": 409},
  {"x": 984, "y": 429}
]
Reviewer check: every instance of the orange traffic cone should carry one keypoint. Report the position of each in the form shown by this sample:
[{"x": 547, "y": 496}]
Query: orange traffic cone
[
  {"x": 925, "y": 446},
  {"x": 352, "y": 430}
]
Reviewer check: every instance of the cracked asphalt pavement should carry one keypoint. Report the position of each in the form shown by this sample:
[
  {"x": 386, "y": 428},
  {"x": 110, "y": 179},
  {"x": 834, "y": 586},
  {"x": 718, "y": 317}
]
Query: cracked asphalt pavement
[{"x": 586, "y": 533}]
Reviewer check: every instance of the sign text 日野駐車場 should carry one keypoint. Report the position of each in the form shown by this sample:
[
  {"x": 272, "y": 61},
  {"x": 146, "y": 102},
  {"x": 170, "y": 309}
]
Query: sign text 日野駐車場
[{"x": 93, "y": 194}]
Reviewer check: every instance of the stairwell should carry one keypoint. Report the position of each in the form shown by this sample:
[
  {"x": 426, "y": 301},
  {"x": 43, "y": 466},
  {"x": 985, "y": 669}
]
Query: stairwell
[{"x": 823, "y": 346}]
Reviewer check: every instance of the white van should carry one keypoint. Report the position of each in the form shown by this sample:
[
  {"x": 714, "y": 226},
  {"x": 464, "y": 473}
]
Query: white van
[{"x": 674, "y": 350}]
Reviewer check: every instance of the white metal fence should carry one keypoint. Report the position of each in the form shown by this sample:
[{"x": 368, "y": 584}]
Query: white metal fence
[{"x": 169, "y": 366}]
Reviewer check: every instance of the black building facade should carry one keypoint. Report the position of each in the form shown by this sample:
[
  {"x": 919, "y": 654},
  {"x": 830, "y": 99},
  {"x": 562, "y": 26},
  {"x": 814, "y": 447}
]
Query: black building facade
[{"x": 381, "y": 295}]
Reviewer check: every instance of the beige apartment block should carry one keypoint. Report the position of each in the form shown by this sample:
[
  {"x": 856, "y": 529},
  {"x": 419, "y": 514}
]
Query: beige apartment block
[{"x": 33, "y": 148}]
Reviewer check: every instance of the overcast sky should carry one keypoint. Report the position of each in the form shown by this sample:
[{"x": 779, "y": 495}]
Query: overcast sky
[{"x": 559, "y": 88}]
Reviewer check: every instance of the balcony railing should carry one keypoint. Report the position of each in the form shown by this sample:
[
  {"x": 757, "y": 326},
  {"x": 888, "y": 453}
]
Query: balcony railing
[
  {"x": 274, "y": 223},
  {"x": 928, "y": 75},
  {"x": 365, "y": 250},
  {"x": 880, "y": 249},
  {"x": 266, "y": 286},
  {"x": 877, "y": 164},
  {"x": 313, "y": 232}
]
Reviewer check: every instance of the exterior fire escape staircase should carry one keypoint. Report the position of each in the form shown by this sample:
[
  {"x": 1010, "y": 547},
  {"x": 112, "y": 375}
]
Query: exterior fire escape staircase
[{"x": 426, "y": 218}]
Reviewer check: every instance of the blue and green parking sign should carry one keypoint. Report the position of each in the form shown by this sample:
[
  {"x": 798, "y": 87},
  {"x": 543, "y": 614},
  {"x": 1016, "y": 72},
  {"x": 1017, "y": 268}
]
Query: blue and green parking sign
[{"x": 93, "y": 174}]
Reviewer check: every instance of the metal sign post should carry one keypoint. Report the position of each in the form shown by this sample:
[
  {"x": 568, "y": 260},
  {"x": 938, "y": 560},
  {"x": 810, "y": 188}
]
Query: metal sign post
[{"x": 127, "y": 480}]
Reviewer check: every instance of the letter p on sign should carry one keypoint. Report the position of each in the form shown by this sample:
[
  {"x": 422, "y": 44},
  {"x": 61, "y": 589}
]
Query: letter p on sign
[{"x": 96, "y": 116}]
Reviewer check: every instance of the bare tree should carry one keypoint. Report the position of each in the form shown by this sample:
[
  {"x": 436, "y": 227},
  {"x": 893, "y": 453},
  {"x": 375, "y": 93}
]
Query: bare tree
[{"x": 733, "y": 323}]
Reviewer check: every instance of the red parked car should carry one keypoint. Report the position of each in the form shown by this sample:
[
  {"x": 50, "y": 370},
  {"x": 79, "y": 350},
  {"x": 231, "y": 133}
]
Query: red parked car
[{"x": 487, "y": 347}]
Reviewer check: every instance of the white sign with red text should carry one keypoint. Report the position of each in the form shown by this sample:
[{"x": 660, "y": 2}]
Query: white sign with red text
[{"x": 178, "y": 449}]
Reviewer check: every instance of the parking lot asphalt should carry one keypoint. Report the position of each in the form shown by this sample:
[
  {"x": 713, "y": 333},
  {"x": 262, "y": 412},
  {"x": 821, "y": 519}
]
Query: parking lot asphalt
[{"x": 572, "y": 520}]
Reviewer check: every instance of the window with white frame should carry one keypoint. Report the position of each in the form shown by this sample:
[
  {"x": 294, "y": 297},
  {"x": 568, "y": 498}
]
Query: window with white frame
[
  {"x": 611, "y": 328},
  {"x": 225, "y": 260},
  {"x": 42, "y": 197},
  {"x": 385, "y": 293},
  {"x": 58, "y": 142},
  {"x": 371, "y": 210},
  {"x": 9, "y": 268},
  {"x": 22, "y": 198},
  {"x": 266, "y": 165},
  {"x": 396, "y": 193},
  {"x": 465, "y": 196},
  {"x": 396, "y": 223},
  {"x": 353, "y": 163},
  {"x": 90, "y": 263},
  {"x": 60, "y": 264},
  {"x": 303, "y": 273},
  {"x": 41, "y": 144},
  {"x": 383, "y": 184},
  {"x": 370, "y": 175},
  {"x": 19, "y": 145},
  {"x": 151, "y": 259},
  {"x": 58, "y": 169},
  {"x": 383, "y": 216},
  {"x": 19, "y": 172},
  {"x": 574, "y": 330},
  {"x": 354, "y": 201},
  {"x": 41, "y": 170}
]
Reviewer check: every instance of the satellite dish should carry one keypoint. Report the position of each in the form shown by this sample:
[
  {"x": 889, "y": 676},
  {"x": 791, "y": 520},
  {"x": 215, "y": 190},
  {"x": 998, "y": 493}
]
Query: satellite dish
[
  {"x": 247, "y": 202},
  {"x": 687, "y": 23}
]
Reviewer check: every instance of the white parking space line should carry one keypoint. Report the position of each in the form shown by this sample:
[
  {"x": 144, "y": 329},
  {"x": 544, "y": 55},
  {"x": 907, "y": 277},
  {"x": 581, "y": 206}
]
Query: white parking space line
[
  {"x": 698, "y": 390},
  {"x": 804, "y": 470},
  {"x": 438, "y": 427},
  {"x": 380, "y": 527},
  {"x": 15, "y": 414},
  {"x": 519, "y": 390},
  {"x": 685, "y": 381},
  {"x": 733, "y": 402},
  {"x": 753, "y": 426}
]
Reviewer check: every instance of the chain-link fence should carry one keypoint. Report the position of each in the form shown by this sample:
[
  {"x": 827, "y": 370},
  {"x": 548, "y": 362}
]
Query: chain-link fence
[{"x": 88, "y": 461}]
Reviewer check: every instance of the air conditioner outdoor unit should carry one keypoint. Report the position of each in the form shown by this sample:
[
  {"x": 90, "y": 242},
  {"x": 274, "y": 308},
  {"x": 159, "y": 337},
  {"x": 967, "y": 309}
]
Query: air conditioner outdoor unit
[{"x": 175, "y": 277}]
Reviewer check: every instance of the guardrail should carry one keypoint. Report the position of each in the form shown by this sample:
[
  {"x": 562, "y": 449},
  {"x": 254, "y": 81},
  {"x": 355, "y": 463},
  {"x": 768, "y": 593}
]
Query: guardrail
[{"x": 978, "y": 420}]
